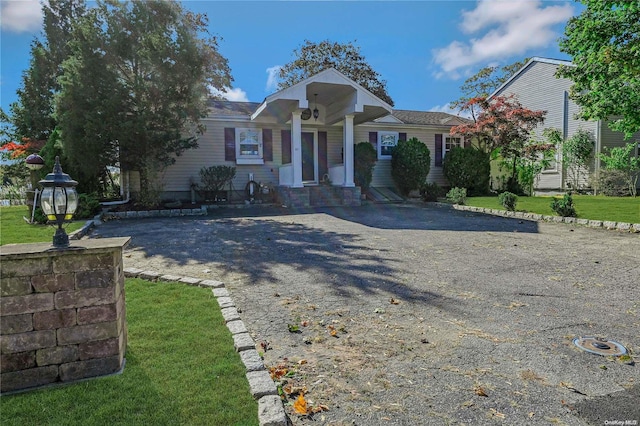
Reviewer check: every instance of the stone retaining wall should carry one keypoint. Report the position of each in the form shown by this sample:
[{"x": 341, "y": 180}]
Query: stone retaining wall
[{"x": 62, "y": 312}]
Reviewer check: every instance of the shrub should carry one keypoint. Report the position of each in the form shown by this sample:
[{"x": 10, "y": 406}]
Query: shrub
[
  {"x": 88, "y": 206},
  {"x": 364, "y": 157},
  {"x": 508, "y": 200},
  {"x": 613, "y": 183},
  {"x": 468, "y": 168},
  {"x": 410, "y": 164},
  {"x": 214, "y": 179},
  {"x": 430, "y": 191},
  {"x": 564, "y": 207},
  {"x": 457, "y": 195}
]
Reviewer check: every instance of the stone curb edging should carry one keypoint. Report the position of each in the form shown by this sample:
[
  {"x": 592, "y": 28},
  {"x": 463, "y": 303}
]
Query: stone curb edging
[
  {"x": 616, "y": 226},
  {"x": 263, "y": 389}
]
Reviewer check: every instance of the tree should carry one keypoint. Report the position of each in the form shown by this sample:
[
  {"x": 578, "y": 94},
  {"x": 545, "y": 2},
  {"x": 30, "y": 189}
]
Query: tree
[
  {"x": 32, "y": 114},
  {"x": 577, "y": 156},
  {"x": 311, "y": 58},
  {"x": 502, "y": 125},
  {"x": 603, "y": 41},
  {"x": 150, "y": 71},
  {"x": 485, "y": 82}
]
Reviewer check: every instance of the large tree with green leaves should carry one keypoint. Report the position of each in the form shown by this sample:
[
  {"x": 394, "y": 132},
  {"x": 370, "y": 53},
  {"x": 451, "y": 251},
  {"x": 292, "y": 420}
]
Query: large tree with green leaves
[
  {"x": 32, "y": 114},
  {"x": 483, "y": 83},
  {"x": 604, "y": 42},
  {"x": 146, "y": 72},
  {"x": 311, "y": 58}
]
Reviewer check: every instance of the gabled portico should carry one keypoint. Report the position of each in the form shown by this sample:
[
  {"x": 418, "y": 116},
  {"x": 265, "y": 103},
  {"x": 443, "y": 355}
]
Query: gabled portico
[{"x": 328, "y": 98}]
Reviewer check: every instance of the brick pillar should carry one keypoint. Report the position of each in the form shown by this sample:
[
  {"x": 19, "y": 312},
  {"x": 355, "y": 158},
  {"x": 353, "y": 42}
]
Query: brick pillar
[{"x": 62, "y": 312}]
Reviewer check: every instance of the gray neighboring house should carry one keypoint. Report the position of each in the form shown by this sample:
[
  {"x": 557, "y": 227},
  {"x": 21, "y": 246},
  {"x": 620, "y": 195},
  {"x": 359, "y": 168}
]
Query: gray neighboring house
[
  {"x": 537, "y": 88},
  {"x": 300, "y": 142}
]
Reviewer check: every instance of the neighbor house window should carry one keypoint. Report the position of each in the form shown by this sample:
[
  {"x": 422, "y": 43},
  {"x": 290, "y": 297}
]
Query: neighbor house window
[
  {"x": 448, "y": 143},
  {"x": 249, "y": 146},
  {"x": 386, "y": 142}
]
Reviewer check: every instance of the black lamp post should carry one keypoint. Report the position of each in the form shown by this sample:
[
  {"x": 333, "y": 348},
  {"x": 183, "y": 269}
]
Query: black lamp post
[
  {"x": 34, "y": 163},
  {"x": 59, "y": 201}
]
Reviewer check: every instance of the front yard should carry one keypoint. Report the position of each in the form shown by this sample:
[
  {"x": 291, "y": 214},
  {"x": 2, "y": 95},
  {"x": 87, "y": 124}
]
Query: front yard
[{"x": 615, "y": 209}]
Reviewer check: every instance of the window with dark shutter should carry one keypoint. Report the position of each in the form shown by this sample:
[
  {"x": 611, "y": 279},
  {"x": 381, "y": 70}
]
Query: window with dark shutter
[
  {"x": 229, "y": 144},
  {"x": 286, "y": 146},
  {"x": 267, "y": 144},
  {"x": 402, "y": 137},
  {"x": 438, "y": 154}
]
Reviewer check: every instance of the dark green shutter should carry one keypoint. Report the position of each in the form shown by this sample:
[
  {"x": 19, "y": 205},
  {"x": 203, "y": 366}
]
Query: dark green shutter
[
  {"x": 229, "y": 144},
  {"x": 438, "y": 150},
  {"x": 267, "y": 144},
  {"x": 402, "y": 137}
]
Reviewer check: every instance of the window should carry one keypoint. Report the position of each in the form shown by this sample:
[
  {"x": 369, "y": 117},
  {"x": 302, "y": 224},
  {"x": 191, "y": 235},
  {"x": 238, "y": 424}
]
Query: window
[
  {"x": 386, "y": 142},
  {"x": 249, "y": 146},
  {"x": 448, "y": 143}
]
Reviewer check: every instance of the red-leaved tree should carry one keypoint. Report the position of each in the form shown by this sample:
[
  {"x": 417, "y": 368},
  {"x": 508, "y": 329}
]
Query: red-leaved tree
[{"x": 502, "y": 124}]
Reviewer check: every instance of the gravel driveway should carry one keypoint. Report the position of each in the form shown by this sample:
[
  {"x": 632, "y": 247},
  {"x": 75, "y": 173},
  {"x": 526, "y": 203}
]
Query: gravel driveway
[{"x": 420, "y": 314}]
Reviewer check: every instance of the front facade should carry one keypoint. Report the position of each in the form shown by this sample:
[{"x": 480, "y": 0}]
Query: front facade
[
  {"x": 536, "y": 87},
  {"x": 302, "y": 138}
]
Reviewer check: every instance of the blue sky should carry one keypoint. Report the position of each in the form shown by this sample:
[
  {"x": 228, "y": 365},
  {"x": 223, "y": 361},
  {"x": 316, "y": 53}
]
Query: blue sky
[{"x": 423, "y": 49}]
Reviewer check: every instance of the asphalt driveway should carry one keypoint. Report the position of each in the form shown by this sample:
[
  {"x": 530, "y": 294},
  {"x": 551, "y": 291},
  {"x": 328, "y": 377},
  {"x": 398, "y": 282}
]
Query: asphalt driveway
[{"x": 420, "y": 314}]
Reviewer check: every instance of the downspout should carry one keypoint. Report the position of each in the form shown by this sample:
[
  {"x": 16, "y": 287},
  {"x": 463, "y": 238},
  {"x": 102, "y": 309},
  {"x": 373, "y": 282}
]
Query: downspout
[
  {"x": 122, "y": 194},
  {"x": 596, "y": 159}
]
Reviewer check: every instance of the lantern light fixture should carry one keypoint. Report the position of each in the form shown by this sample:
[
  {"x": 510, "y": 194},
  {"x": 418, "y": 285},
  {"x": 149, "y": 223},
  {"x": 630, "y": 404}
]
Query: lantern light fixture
[
  {"x": 59, "y": 201},
  {"x": 34, "y": 162}
]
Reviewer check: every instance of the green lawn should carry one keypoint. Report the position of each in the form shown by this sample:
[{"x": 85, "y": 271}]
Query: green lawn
[
  {"x": 14, "y": 229},
  {"x": 615, "y": 209},
  {"x": 181, "y": 365},
  {"x": 181, "y": 368}
]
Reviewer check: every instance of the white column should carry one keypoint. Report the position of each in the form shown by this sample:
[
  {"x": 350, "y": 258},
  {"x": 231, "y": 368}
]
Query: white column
[
  {"x": 348, "y": 150},
  {"x": 296, "y": 149}
]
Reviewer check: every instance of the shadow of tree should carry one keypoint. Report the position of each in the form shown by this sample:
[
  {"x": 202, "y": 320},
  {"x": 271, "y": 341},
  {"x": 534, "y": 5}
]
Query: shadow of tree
[{"x": 271, "y": 245}]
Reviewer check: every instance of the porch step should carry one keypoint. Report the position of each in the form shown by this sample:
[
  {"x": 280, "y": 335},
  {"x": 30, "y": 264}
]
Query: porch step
[
  {"x": 325, "y": 196},
  {"x": 383, "y": 195}
]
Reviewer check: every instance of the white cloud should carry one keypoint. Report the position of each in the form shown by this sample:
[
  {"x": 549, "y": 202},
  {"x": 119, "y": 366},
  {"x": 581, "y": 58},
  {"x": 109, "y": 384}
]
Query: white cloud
[
  {"x": 272, "y": 78},
  {"x": 504, "y": 29},
  {"x": 230, "y": 94},
  {"x": 20, "y": 16}
]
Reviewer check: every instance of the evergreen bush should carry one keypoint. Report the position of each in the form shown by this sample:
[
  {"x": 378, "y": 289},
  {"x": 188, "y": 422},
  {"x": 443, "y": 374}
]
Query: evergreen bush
[
  {"x": 564, "y": 207},
  {"x": 457, "y": 196},
  {"x": 410, "y": 165},
  {"x": 508, "y": 200},
  {"x": 364, "y": 157},
  {"x": 468, "y": 168}
]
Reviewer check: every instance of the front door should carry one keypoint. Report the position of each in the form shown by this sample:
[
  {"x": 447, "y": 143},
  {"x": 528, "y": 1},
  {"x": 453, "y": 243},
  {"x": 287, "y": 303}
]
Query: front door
[{"x": 309, "y": 163}]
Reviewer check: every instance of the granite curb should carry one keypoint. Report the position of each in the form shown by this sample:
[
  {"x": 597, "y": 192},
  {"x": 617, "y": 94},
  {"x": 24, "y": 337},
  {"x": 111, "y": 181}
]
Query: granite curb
[
  {"x": 608, "y": 225},
  {"x": 270, "y": 408}
]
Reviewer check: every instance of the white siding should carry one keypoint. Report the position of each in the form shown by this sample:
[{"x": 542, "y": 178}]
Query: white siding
[
  {"x": 210, "y": 152},
  {"x": 382, "y": 171},
  {"x": 537, "y": 88}
]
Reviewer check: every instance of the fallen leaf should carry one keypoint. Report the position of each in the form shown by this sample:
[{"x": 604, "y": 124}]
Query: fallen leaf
[
  {"x": 318, "y": 408},
  {"x": 300, "y": 405},
  {"x": 394, "y": 301},
  {"x": 531, "y": 414},
  {"x": 302, "y": 362},
  {"x": 480, "y": 391},
  {"x": 304, "y": 323},
  {"x": 497, "y": 413}
]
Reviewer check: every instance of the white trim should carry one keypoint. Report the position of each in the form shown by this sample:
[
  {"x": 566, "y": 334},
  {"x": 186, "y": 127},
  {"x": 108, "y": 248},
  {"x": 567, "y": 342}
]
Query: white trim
[
  {"x": 249, "y": 158},
  {"x": 444, "y": 143},
  {"x": 382, "y": 133}
]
